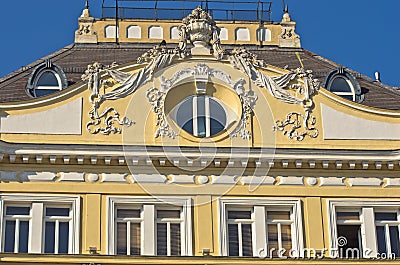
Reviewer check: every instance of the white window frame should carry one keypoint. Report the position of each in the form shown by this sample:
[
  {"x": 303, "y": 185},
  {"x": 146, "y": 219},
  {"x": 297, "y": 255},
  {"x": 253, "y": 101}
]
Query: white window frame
[
  {"x": 260, "y": 206},
  {"x": 38, "y": 203},
  {"x": 150, "y": 206},
  {"x": 367, "y": 208}
]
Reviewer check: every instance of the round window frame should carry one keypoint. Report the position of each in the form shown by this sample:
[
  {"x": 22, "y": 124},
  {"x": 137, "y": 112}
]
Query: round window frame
[
  {"x": 347, "y": 80},
  {"x": 230, "y": 126},
  {"x": 39, "y": 75},
  {"x": 218, "y": 101},
  {"x": 48, "y": 65},
  {"x": 358, "y": 96}
]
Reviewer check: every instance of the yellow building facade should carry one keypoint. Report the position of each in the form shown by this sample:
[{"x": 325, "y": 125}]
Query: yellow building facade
[{"x": 199, "y": 154}]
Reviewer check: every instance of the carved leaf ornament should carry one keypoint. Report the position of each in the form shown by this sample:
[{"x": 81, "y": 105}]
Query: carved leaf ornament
[{"x": 296, "y": 125}]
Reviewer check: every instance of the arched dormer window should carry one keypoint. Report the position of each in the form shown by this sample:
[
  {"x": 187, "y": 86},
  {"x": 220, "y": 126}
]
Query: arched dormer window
[
  {"x": 47, "y": 78},
  {"x": 344, "y": 84}
]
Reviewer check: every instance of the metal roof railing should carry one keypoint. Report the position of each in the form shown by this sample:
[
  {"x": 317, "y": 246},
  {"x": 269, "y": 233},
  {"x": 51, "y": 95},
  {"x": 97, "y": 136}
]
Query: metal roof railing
[{"x": 223, "y": 10}]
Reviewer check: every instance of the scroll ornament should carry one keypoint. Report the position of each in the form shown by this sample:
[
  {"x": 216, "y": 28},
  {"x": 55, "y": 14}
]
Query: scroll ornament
[{"x": 296, "y": 125}]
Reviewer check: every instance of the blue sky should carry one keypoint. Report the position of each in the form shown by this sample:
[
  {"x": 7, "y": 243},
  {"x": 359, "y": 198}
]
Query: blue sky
[{"x": 362, "y": 35}]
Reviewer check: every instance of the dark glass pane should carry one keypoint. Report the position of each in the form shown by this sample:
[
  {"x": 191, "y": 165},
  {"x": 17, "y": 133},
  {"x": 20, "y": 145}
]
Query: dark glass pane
[
  {"x": 128, "y": 213},
  {"x": 135, "y": 239},
  {"x": 278, "y": 215},
  {"x": 233, "y": 239},
  {"x": 201, "y": 126},
  {"x": 216, "y": 127},
  {"x": 188, "y": 126},
  {"x": 47, "y": 79},
  {"x": 286, "y": 235},
  {"x": 217, "y": 117},
  {"x": 175, "y": 214},
  {"x": 352, "y": 233},
  {"x": 184, "y": 115},
  {"x": 9, "y": 237},
  {"x": 12, "y": 210},
  {"x": 44, "y": 92},
  {"x": 272, "y": 238},
  {"x": 247, "y": 240},
  {"x": 63, "y": 238},
  {"x": 340, "y": 84},
  {"x": 348, "y": 97},
  {"x": 50, "y": 230},
  {"x": 121, "y": 239},
  {"x": 381, "y": 238},
  {"x": 162, "y": 239},
  {"x": 394, "y": 239},
  {"x": 175, "y": 239},
  {"x": 348, "y": 216},
  {"x": 385, "y": 216},
  {"x": 57, "y": 211},
  {"x": 239, "y": 214},
  {"x": 23, "y": 236}
]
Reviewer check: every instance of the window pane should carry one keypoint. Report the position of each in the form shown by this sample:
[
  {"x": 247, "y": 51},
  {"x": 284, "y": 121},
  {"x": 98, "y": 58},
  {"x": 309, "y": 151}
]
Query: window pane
[
  {"x": 9, "y": 238},
  {"x": 121, "y": 239},
  {"x": 340, "y": 84},
  {"x": 135, "y": 239},
  {"x": 184, "y": 115},
  {"x": 348, "y": 216},
  {"x": 247, "y": 240},
  {"x": 385, "y": 216},
  {"x": 48, "y": 79},
  {"x": 50, "y": 230},
  {"x": 381, "y": 238},
  {"x": 23, "y": 236},
  {"x": 272, "y": 237},
  {"x": 353, "y": 234},
  {"x": 348, "y": 97},
  {"x": 201, "y": 106},
  {"x": 217, "y": 117},
  {"x": 239, "y": 214},
  {"x": 44, "y": 92},
  {"x": 57, "y": 211},
  {"x": 128, "y": 213},
  {"x": 175, "y": 214},
  {"x": 286, "y": 231},
  {"x": 394, "y": 239},
  {"x": 63, "y": 238},
  {"x": 278, "y": 215},
  {"x": 12, "y": 210},
  {"x": 233, "y": 238},
  {"x": 162, "y": 239},
  {"x": 175, "y": 239},
  {"x": 201, "y": 126}
]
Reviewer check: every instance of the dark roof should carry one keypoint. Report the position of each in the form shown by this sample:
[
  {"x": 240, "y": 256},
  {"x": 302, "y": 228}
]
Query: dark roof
[{"x": 74, "y": 59}]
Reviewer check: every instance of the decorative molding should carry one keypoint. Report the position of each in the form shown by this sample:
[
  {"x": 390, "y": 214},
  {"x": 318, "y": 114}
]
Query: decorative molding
[
  {"x": 93, "y": 177},
  {"x": 38, "y": 176},
  {"x": 364, "y": 182},
  {"x": 114, "y": 177},
  {"x": 296, "y": 125},
  {"x": 256, "y": 181},
  {"x": 182, "y": 179},
  {"x": 224, "y": 179},
  {"x": 391, "y": 182},
  {"x": 332, "y": 181},
  {"x": 72, "y": 176},
  {"x": 149, "y": 178},
  {"x": 290, "y": 181}
]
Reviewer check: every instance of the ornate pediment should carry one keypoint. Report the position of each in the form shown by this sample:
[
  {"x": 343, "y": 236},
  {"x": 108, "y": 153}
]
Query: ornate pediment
[{"x": 295, "y": 87}]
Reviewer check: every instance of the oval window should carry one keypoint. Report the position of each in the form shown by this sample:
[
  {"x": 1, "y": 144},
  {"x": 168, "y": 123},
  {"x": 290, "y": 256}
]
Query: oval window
[
  {"x": 47, "y": 82},
  {"x": 201, "y": 116}
]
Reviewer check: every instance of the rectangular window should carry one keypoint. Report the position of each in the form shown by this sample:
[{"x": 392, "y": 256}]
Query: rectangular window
[
  {"x": 365, "y": 229},
  {"x": 39, "y": 224},
  {"x": 260, "y": 227},
  {"x": 146, "y": 226}
]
